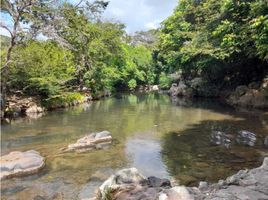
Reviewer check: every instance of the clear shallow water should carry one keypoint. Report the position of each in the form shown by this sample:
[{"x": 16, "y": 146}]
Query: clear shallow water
[{"x": 157, "y": 135}]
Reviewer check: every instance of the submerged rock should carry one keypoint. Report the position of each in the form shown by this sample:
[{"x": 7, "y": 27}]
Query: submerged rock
[
  {"x": 100, "y": 140},
  {"x": 21, "y": 163},
  {"x": 246, "y": 138},
  {"x": 220, "y": 139}
]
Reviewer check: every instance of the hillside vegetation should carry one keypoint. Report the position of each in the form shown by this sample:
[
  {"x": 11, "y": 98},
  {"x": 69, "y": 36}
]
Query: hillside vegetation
[{"x": 223, "y": 41}]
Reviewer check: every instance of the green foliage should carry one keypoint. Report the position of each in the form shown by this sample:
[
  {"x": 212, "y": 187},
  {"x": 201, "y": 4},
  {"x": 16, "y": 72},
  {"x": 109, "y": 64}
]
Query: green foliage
[
  {"x": 4, "y": 41},
  {"x": 41, "y": 68},
  {"x": 165, "y": 81},
  {"x": 84, "y": 51},
  {"x": 63, "y": 100},
  {"x": 217, "y": 39},
  {"x": 132, "y": 84}
]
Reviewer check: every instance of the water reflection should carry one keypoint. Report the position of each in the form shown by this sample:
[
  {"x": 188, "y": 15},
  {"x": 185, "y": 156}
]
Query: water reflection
[
  {"x": 158, "y": 135},
  {"x": 190, "y": 155}
]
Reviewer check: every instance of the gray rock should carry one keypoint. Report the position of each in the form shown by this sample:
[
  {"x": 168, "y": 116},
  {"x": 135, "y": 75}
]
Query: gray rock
[
  {"x": 254, "y": 85},
  {"x": 220, "y": 138},
  {"x": 21, "y": 163},
  {"x": 158, "y": 182},
  {"x": 266, "y": 141},
  {"x": 131, "y": 185},
  {"x": 102, "y": 134},
  {"x": 179, "y": 193},
  {"x": 122, "y": 177},
  {"x": 203, "y": 185},
  {"x": 241, "y": 90},
  {"x": 100, "y": 140},
  {"x": 264, "y": 84},
  {"x": 178, "y": 90},
  {"x": 174, "y": 90},
  {"x": 155, "y": 88},
  {"x": 196, "y": 82},
  {"x": 34, "y": 109},
  {"x": 245, "y": 185},
  {"x": 246, "y": 138}
]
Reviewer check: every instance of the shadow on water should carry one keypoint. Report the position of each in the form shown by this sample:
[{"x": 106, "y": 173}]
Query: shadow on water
[{"x": 190, "y": 155}]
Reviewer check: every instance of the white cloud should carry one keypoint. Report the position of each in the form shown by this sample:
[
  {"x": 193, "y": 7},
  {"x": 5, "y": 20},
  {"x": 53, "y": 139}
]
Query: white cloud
[
  {"x": 152, "y": 25},
  {"x": 140, "y": 14}
]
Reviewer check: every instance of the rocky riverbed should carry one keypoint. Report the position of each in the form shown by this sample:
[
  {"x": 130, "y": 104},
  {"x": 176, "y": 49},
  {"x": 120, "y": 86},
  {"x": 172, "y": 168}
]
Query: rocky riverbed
[{"x": 130, "y": 184}]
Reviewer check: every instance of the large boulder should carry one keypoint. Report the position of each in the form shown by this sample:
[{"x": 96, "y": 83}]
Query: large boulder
[
  {"x": 182, "y": 87},
  {"x": 100, "y": 140},
  {"x": 244, "y": 185},
  {"x": 174, "y": 90},
  {"x": 196, "y": 83},
  {"x": 34, "y": 109},
  {"x": 123, "y": 179},
  {"x": 253, "y": 96},
  {"x": 21, "y": 163},
  {"x": 130, "y": 184},
  {"x": 178, "y": 89}
]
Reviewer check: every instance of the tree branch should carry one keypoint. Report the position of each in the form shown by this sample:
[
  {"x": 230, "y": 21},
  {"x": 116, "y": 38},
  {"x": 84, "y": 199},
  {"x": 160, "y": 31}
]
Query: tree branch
[{"x": 5, "y": 27}]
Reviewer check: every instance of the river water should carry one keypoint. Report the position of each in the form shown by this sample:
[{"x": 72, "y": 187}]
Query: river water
[{"x": 163, "y": 137}]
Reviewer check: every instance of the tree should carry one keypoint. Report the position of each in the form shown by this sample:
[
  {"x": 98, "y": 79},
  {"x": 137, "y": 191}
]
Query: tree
[
  {"x": 29, "y": 18},
  {"x": 23, "y": 16},
  {"x": 216, "y": 39}
]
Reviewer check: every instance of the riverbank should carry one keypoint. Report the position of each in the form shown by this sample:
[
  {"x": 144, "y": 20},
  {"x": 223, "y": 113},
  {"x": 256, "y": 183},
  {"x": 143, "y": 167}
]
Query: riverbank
[
  {"x": 19, "y": 105},
  {"x": 130, "y": 184},
  {"x": 253, "y": 95}
]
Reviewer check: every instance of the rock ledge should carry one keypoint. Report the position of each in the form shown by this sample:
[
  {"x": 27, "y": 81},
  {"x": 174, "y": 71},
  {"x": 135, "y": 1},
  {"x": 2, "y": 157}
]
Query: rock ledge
[
  {"x": 20, "y": 163},
  {"x": 130, "y": 184}
]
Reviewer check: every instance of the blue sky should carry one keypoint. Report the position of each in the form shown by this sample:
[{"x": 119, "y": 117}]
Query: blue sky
[
  {"x": 140, "y": 14},
  {"x": 135, "y": 14}
]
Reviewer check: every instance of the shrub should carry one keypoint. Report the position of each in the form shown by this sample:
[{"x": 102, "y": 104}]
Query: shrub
[{"x": 164, "y": 81}]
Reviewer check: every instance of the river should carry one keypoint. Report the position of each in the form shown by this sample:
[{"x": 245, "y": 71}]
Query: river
[{"x": 157, "y": 135}]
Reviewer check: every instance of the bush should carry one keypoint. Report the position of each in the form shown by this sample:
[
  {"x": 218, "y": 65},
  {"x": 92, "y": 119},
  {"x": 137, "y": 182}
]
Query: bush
[
  {"x": 132, "y": 84},
  {"x": 63, "y": 100},
  {"x": 41, "y": 68},
  {"x": 164, "y": 81}
]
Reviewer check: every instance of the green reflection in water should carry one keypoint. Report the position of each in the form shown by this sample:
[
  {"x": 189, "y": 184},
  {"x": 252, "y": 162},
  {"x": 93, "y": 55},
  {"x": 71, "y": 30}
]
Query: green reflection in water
[{"x": 159, "y": 136}]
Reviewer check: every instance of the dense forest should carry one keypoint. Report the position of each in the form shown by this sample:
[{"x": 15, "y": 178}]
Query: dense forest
[
  {"x": 225, "y": 41},
  {"x": 58, "y": 49}
]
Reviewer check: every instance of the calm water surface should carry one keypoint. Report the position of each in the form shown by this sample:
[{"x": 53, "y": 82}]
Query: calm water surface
[{"x": 159, "y": 136}]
